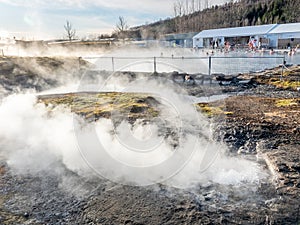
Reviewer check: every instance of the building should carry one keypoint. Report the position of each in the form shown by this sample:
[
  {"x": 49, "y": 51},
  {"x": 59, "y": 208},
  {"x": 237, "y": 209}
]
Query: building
[
  {"x": 184, "y": 40},
  {"x": 238, "y": 36},
  {"x": 285, "y": 35},
  {"x": 269, "y": 36}
]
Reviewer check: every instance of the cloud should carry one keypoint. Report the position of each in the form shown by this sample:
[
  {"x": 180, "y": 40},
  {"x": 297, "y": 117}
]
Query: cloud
[
  {"x": 146, "y": 6},
  {"x": 156, "y": 7}
]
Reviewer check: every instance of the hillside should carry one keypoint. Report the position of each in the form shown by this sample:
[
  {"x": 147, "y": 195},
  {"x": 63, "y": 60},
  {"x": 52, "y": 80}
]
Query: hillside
[{"x": 233, "y": 14}]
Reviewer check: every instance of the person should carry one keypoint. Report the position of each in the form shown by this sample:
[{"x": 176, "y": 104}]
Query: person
[
  {"x": 254, "y": 45},
  {"x": 295, "y": 49},
  {"x": 250, "y": 44},
  {"x": 216, "y": 45},
  {"x": 188, "y": 79},
  {"x": 227, "y": 46},
  {"x": 271, "y": 51}
]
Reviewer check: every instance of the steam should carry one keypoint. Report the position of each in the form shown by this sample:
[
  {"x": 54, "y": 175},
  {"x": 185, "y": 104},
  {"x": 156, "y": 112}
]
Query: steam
[
  {"x": 177, "y": 148},
  {"x": 35, "y": 140},
  {"x": 51, "y": 50}
]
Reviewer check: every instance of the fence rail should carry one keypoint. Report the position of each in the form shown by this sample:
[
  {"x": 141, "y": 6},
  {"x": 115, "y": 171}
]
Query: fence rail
[{"x": 193, "y": 65}]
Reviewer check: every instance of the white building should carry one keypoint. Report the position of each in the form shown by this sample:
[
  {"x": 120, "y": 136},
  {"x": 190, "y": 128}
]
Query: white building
[
  {"x": 269, "y": 35},
  {"x": 285, "y": 35}
]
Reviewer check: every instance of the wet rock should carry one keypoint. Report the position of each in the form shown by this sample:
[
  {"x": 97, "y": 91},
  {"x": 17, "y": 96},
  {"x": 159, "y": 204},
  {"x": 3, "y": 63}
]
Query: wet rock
[
  {"x": 248, "y": 147},
  {"x": 6, "y": 67}
]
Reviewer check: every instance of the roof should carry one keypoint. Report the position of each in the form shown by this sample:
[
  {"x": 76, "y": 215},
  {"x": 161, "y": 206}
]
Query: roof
[
  {"x": 236, "y": 31},
  {"x": 180, "y": 36},
  {"x": 286, "y": 28}
]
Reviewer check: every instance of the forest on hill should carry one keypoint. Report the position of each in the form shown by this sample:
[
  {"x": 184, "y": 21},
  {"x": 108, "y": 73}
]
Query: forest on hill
[{"x": 230, "y": 14}]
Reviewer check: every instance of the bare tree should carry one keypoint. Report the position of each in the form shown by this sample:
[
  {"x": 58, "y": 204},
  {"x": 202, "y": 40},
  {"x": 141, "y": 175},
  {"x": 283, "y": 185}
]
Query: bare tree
[
  {"x": 121, "y": 27},
  {"x": 206, "y": 4},
  {"x": 69, "y": 30},
  {"x": 187, "y": 7},
  {"x": 175, "y": 10},
  {"x": 193, "y": 6},
  {"x": 199, "y": 5},
  {"x": 179, "y": 8},
  {"x": 179, "y": 12}
]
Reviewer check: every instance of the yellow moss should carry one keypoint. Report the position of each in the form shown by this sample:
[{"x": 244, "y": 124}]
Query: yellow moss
[
  {"x": 133, "y": 105},
  {"x": 210, "y": 110},
  {"x": 286, "y": 84},
  {"x": 285, "y": 102}
]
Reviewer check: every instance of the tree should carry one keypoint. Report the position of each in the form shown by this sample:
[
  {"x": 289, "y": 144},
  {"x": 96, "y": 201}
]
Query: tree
[
  {"x": 178, "y": 11},
  {"x": 199, "y": 5},
  {"x": 121, "y": 27},
  {"x": 232, "y": 13},
  {"x": 178, "y": 8},
  {"x": 206, "y": 4},
  {"x": 69, "y": 30}
]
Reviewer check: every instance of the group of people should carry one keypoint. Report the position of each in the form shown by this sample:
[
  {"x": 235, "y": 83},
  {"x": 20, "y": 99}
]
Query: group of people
[
  {"x": 293, "y": 51},
  {"x": 254, "y": 45}
]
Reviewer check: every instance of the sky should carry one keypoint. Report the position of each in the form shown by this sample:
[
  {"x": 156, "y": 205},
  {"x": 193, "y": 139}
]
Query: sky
[{"x": 45, "y": 19}]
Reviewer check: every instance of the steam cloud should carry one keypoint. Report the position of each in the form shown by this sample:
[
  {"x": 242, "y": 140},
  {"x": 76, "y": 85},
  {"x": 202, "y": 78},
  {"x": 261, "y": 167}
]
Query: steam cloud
[{"x": 34, "y": 139}]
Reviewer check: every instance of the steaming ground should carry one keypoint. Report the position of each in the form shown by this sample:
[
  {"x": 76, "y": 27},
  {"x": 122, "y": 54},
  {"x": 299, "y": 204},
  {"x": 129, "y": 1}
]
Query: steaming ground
[
  {"x": 34, "y": 139},
  {"x": 54, "y": 184},
  {"x": 44, "y": 138},
  {"x": 64, "y": 169}
]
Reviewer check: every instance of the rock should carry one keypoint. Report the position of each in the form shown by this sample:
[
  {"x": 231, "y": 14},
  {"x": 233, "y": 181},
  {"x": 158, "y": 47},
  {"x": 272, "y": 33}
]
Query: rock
[{"x": 248, "y": 147}]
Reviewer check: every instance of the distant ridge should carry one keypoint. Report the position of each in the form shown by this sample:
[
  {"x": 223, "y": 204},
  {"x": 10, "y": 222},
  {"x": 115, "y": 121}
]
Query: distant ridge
[{"x": 232, "y": 14}]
